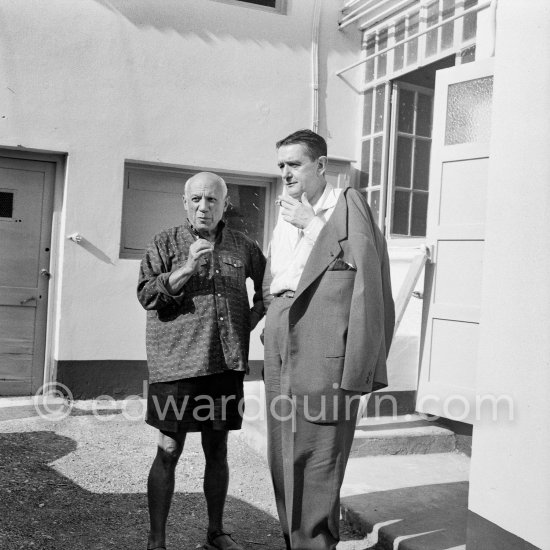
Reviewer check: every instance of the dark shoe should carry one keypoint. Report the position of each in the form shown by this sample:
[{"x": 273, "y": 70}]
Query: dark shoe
[{"x": 219, "y": 540}]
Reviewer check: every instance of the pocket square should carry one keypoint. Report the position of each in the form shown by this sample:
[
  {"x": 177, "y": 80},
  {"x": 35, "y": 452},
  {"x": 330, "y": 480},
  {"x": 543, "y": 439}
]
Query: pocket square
[{"x": 341, "y": 265}]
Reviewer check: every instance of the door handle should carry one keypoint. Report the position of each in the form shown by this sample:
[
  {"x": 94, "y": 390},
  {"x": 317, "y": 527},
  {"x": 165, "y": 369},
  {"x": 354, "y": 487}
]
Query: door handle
[
  {"x": 23, "y": 302},
  {"x": 45, "y": 273}
]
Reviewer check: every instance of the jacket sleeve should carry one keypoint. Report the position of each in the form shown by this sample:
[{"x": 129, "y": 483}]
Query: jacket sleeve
[
  {"x": 389, "y": 306},
  {"x": 371, "y": 321},
  {"x": 384, "y": 261}
]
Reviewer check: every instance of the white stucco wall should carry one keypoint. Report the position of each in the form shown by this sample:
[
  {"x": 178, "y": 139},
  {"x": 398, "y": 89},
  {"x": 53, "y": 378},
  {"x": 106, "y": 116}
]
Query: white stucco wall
[
  {"x": 510, "y": 468},
  {"x": 183, "y": 82}
]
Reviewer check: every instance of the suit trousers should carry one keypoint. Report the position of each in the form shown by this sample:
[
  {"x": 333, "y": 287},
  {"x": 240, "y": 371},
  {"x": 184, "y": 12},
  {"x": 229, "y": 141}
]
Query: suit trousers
[{"x": 307, "y": 460}]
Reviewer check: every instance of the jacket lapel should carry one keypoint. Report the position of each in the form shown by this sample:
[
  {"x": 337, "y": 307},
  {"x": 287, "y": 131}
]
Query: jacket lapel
[{"x": 327, "y": 246}]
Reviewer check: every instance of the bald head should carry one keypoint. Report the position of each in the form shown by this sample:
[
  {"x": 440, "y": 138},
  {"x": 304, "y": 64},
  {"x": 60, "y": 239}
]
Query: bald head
[
  {"x": 205, "y": 200},
  {"x": 206, "y": 177}
]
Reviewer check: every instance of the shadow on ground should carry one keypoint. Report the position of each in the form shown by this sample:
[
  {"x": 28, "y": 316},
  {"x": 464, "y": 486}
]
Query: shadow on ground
[
  {"x": 43, "y": 509},
  {"x": 40, "y": 508},
  {"x": 428, "y": 517}
]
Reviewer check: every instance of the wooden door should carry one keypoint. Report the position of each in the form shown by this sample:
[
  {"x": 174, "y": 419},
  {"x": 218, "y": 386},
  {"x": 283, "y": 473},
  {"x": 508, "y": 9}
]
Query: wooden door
[
  {"x": 26, "y": 200},
  {"x": 456, "y": 231}
]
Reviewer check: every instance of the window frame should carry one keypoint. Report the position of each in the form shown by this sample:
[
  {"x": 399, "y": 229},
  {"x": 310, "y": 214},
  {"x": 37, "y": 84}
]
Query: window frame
[
  {"x": 13, "y": 193},
  {"x": 394, "y": 134},
  {"x": 383, "y": 133},
  {"x": 269, "y": 182},
  {"x": 378, "y": 70}
]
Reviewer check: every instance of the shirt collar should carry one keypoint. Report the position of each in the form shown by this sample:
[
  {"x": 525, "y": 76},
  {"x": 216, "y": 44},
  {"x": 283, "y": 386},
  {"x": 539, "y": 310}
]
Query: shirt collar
[
  {"x": 196, "y": 234},
  {"x": 326, "y": 200}
]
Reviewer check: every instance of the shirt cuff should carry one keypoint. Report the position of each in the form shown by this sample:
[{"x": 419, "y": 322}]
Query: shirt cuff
[
  {"x": 162, "y": 281},
  {"x": 313, "y": 228}
]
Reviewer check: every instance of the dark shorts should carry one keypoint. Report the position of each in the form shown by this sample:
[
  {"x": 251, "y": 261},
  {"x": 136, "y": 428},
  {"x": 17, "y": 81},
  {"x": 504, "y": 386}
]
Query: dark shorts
[{"x": 215, "y": 401}]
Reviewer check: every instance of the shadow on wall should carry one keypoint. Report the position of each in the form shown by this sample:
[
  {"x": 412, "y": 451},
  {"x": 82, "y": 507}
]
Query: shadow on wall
[
  {"x": 212, "y": 20},
  {"x": 95, "y": 251}
]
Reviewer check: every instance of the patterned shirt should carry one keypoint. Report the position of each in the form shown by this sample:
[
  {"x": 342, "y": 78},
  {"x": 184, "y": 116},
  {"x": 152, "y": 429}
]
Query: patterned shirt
[{"x": 206, "y": 327}]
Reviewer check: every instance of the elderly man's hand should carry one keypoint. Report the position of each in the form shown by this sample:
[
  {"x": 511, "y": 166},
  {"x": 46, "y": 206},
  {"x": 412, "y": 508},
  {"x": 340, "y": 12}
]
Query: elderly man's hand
[
  {"x": 299, "y": 214},
  {"x": 200, "y": 248},
  {"x": 180, "y": 276}
]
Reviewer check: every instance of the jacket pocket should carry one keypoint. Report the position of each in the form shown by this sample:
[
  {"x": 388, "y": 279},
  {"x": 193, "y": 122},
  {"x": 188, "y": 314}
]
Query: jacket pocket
[
  {"x": 340, "y": 274},
  {"x": 341, "y": 265}
]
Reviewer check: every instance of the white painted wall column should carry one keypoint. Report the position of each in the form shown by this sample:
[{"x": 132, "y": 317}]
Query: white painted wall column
[{"x": 510, "y": 472}]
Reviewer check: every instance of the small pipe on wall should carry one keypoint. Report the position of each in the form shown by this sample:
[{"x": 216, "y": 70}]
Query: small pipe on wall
[{"x": 315, "y": 64}]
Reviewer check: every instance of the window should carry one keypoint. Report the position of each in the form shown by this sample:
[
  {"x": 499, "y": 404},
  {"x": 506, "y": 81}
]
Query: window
[
  {"x": 410, "y": 155},
  {"x": 153, "y": 201},
  {"x": 466, "y": 123},
  {"x": 395, "y": 156},
  {"x": 265, "y": 3},
  {"x": 6, "y": 203},
  {"x": 401, "y": 56},
  {"x": 277, "y": 6},
  {"x": 373, "y": 149}
]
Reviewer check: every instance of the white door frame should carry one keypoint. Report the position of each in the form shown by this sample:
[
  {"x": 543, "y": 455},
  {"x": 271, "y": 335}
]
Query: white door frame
[{"x": 57, "y": 224}]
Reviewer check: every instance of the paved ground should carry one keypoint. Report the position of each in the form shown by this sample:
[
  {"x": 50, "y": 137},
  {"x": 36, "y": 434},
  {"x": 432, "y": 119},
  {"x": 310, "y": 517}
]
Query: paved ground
[
  {"x": 79, "y": 483},
  {"x": 409, "y": 502}
]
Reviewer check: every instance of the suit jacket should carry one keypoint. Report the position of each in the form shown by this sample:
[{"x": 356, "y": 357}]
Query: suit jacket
[{"x": 342, "y": 318}]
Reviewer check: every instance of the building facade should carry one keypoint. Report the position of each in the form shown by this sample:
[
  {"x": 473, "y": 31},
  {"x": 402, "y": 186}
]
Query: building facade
[
  {"x": 107, "y": 108},
  {"x": 434, "y": 109}
]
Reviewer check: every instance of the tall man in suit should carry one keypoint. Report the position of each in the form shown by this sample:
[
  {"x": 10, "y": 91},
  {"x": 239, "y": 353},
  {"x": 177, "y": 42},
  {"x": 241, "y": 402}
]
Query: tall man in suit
[{"x": 328, "y": 331}]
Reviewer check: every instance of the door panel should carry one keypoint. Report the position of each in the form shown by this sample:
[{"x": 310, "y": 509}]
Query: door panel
[
  {"x": 458, "y": 274},
  {"x": 17, "y": 337},
  {"x": 26, "y": 188},
  {"x": 463, "y": 196},
  {"x": 456, "y": 231},
  {"x": 454, "y": 348}
]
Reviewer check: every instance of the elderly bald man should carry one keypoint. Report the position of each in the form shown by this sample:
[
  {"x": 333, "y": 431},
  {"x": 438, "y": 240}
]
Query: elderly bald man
[{"x": 192, "y": 282}]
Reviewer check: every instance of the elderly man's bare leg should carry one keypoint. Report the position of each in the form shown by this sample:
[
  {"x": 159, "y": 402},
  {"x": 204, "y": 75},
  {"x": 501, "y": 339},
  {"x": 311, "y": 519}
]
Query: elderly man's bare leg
[
  {"x": 160, "y": 486},
  {"x": 216, "y": 482}
]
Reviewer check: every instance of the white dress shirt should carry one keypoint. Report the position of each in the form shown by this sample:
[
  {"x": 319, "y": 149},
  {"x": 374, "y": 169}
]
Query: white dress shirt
[{"x": 291, "y": 247}]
